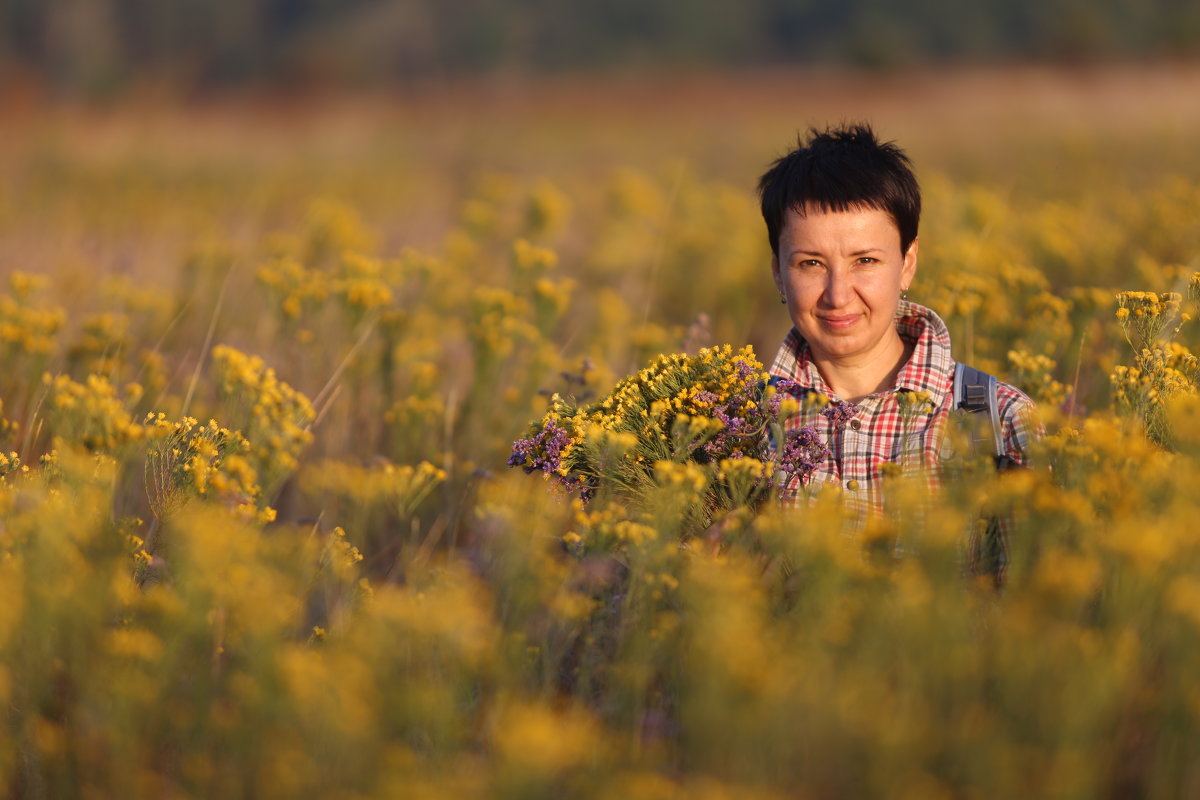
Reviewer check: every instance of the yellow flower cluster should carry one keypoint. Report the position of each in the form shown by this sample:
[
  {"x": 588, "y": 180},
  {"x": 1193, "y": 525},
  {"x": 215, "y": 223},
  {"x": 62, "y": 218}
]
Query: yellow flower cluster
[
  {"x": 654, "y": 440},
  {"x": 499, "y": 321},
  {"x": 551, "y": 299},
  {"x": 1048, "y": 319},
  {"x": 275, "y": 417},
  {"x": 295, "y": 285},
  {"x": 1158, "y": 375},
  {"x": 1035, "y": 375},
  {"x": 24, "y": 285},
  {"x": 360, "y": 283},
  {"x": 189, "y": 459},
  {"x": 332, "y": 228},
  {"x": 613, "y": 445},
  {"x": 92, "y": 414},
  {"x": 914, "y": 404},
  {"x": 687, "y": 430},
  {"x": 961, "y": 294},
  {"x": 28, "y": 330},
  {"x": 340, "y": 555},
  {"x": 686, "y": 476},
  {"x": 7, "y": 426},
  {"x": 415, "y": 412},
  {"x": 634, "y": 533},
  {"x": 135, "y": 297},
  {"x": 102, "y": 343},
  {"x": 609, "y": 528},
  {"x": 677, "y": 384},
  {"x": 1145, "y": 315},
  {"x": 152, "y": 373},
  {"x": 129, "y": 529},
  {"x": 547, "y": 209},
  {"x": 584, "y": 516},
  {"x": 528, "y": 258},
  {"x": 10, "y": 463},
  {"x": 634, "y": 195},
  {"x": 402, "y": 488},
  {"x": 743, "y": 478},
  {"x": 734, "y": 469}
]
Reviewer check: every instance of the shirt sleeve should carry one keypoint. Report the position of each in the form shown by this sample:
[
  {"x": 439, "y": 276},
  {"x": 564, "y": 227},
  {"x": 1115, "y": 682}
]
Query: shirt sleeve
[{"x": 1018, "y": 422}]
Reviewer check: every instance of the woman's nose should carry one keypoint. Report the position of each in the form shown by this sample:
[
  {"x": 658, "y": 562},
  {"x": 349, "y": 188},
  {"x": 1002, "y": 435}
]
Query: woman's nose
[{"x": 837, "y": 288}]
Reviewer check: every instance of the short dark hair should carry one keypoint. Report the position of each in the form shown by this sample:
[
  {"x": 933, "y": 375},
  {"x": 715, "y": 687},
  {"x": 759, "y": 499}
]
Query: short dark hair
[{"x": 837, "y": 170}]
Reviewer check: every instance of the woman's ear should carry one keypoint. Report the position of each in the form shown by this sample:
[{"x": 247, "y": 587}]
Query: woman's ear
[
  {"x": 775, "y": 273},
  {"x": 909, "y": 270}
]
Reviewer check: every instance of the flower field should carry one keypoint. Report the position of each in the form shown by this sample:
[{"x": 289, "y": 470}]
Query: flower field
[{"x": 264, "y": 369}]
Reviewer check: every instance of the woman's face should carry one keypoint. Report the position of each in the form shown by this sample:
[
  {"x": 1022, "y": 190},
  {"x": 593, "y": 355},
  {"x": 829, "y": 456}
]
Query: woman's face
[{"x": 842, "y": 273}]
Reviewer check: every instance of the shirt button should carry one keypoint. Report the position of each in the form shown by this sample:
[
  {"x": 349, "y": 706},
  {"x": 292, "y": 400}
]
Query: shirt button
[
  {"x": 855, "y": 424},
  {"x": 852, "y": 485}
]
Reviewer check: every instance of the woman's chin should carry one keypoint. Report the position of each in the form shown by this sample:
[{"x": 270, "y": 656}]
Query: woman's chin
[{"x": 837, "y": 350}]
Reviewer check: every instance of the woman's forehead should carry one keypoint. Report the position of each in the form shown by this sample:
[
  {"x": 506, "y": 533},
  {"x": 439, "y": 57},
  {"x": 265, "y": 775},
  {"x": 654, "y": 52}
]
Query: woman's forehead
[{"x": 858, "y": 222}]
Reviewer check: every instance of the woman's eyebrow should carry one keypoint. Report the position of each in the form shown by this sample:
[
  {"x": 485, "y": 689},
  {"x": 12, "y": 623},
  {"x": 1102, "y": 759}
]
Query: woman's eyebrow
[{"x": 862, "y": 252}]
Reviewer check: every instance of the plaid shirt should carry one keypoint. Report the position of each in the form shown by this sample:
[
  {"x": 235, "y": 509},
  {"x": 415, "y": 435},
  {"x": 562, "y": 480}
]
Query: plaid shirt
[{"x": 879, "y": 431}]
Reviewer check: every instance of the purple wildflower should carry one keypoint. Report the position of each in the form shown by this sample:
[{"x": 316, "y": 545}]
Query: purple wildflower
[
  {"x": 541, "y": 451},
  {"x": 747, "y": 372},
  {"x": 803, "y": 452},
  {"x": 839, "y": 414},
  {"x": 783, "y": 387}
]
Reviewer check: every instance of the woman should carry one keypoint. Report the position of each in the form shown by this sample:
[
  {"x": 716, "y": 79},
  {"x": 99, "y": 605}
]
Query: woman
[{"x": 842, "y": 213}]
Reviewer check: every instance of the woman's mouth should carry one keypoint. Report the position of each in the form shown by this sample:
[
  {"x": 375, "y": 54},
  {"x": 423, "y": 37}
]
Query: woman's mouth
[{"x": 839, "y": 322}]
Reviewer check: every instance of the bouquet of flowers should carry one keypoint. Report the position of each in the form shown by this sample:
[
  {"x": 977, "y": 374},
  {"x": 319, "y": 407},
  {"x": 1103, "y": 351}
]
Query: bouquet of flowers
[{"x": 715, "y": 411}]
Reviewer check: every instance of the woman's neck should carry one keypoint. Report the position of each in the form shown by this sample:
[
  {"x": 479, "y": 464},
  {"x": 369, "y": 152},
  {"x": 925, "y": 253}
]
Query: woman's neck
[{"x": 854, "y": 378}]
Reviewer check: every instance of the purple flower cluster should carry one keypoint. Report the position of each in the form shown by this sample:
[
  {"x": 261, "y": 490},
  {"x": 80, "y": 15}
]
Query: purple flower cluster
[
  {"x": 839, "y": 414},
  {"x": 736, "y": 428},
  {"x": 541, "y": 451},
  {"x": 802, "y": 453},
  {"x": 783, "y": 387}
]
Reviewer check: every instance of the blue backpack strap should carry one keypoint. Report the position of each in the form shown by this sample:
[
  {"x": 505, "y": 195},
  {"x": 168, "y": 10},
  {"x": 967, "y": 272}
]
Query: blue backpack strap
[
  {"x": 776, "y": 379},
  {"x": 975, "y": 391}
]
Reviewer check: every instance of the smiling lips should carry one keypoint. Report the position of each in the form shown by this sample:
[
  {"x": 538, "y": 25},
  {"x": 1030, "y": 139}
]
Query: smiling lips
[{"x": 839, "y": 322}]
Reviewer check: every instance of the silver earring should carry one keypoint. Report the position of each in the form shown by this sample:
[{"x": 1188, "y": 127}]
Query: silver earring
[
  {"x": 782, "y": 298},
  {"x": 904, "y": 294}
]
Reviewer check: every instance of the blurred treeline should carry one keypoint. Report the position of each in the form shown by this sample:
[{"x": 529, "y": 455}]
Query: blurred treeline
[{"x": 106, "y": 46}]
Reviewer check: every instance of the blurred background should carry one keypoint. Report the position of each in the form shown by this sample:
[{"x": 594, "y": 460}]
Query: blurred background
[
  {"x": 426, "y": 216},
  {"x": 105, "y": 47},
  {"x": 626, "y": 136}
]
